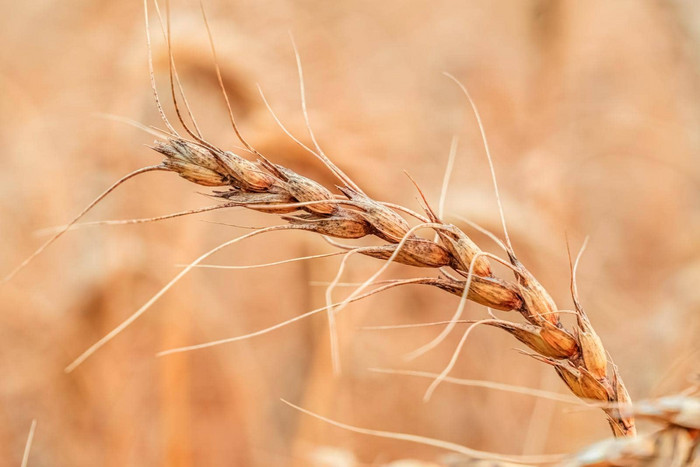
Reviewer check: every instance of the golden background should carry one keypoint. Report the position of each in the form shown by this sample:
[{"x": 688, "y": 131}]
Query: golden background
[{"x": 592, "y": 113}]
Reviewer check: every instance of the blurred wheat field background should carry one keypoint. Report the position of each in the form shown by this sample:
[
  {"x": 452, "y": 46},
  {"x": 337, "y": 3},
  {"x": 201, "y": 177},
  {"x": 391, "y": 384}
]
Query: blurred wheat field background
[{"x": 592, "y": 112}]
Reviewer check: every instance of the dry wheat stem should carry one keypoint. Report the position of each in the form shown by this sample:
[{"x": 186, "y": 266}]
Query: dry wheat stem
[
  {"x": 385, "y": 327},
  {"x": 446, "y": 178},
  {"x": 53, "y": 230},
  {"x": 429, "y": 392},
  {"x": 453, "y": 321},
  {"x": 287, "y": 322},
  {"x": 673, "y": 446},
  {"x": 28, "y": 445},
  {"x": 268, "y": 187},
  {"x": 133, "y": 317},
  {"x": 264, "y": 265},
  {"x": 56, "y": 236},
  {"x": 472, "y": 453},
  {"x": 485, "y": 384},
  {"x": 271, "y": 188},
  {"x": 256, "y": 183}
]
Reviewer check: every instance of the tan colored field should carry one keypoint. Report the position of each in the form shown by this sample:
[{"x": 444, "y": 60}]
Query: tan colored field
[{"x": 592, "y": 110}]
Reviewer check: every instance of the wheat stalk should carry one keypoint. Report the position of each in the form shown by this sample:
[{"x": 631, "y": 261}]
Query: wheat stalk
[
  {"x": 254, "y": 182},
  {"x": 676, "y": 444},
  {"x": 577, "y": 354}
]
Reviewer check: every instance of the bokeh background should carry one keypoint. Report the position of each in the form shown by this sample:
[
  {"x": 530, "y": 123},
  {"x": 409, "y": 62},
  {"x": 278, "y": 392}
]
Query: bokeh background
[{"x": 592, "y": 110}]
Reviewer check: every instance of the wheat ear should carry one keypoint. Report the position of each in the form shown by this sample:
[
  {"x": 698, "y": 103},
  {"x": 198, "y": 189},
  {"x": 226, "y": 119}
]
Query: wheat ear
[{"x": 576, "y": 354}]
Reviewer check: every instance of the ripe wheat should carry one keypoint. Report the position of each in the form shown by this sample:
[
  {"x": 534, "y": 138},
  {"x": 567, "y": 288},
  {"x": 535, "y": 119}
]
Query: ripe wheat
[{"x": 250, "y": 180}]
